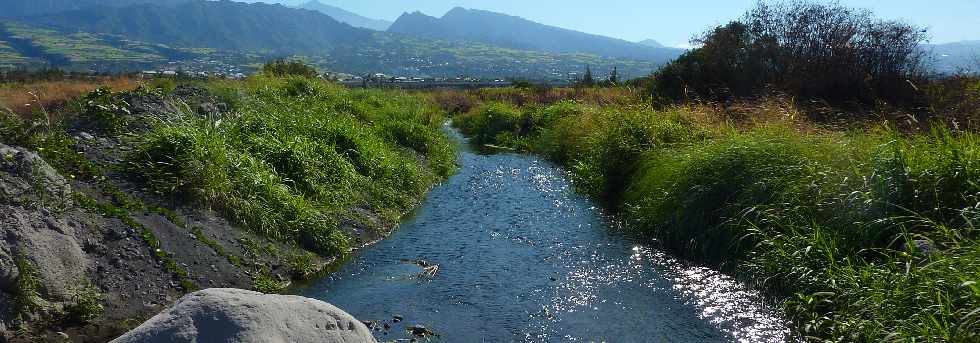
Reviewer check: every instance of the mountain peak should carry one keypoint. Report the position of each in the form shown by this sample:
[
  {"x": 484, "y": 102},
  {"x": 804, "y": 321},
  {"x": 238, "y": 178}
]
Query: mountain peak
[
  {"x": 651, "y": 43},
  {"x": 456, "y": 11}
]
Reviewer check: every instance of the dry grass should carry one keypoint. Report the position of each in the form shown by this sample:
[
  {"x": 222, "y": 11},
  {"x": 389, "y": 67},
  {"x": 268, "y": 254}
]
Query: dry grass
[
  {"x": 24, "y": 98},
  {"x": 462, "y": 101}
]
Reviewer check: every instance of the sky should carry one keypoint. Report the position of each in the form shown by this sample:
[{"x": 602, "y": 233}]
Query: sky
[{"x": 673, "y": 22}]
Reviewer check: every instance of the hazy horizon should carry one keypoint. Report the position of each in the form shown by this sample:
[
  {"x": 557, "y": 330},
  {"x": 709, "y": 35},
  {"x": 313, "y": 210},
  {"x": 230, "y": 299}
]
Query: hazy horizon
[{"x": 671, "y": 23}]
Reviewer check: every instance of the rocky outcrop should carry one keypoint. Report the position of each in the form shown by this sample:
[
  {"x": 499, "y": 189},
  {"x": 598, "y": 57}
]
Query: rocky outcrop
[
  {"x": 49, "y": 245},
  {"x": 34, "y": 234},
  {"x": 102, "y": 250},
  {"x": 25, "y": 178},
  {"x": 30, "y": 190},
  {"x": 234, "y": 315}
]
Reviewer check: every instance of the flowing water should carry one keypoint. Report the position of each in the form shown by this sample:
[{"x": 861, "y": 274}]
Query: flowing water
[{"x": 522, "y": 258}]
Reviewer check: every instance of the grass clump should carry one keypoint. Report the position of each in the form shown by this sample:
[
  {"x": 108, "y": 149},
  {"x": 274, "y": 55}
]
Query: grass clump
[
  {"x": 86, "y": 305},
  {"x": 265, "y": 282},
  {"x": 297, "y": 154},
  {"x": 26, "y": 299},
  {"x": 868, "y": 234},
  {"x": 104, "y": 110}
]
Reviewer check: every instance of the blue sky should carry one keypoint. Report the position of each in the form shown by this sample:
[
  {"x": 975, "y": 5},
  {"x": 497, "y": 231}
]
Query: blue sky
[{"x": 673, "y": 22}]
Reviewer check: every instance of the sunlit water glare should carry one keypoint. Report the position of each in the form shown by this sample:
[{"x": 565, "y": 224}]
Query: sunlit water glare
[{"x": 523, "y": 258}]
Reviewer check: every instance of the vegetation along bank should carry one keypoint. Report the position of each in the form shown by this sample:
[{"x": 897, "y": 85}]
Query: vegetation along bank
[
  {"x": 152, "y": 192},
  {"x": 859, "y": 207},
  {"x": 869, "y": 233}
]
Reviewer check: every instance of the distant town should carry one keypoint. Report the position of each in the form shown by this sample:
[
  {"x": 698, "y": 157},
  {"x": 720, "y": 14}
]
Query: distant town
[{"x": 215, "y": 69}]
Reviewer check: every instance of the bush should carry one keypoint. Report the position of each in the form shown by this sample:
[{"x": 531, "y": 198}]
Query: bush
[
  {"x": 86, "y": 305},
  {"x": 297, "y": 155},
  {"x": 809, "y": 50},
  {"x": 26, "y": 299},
  {"x": 105, "y": 110},
  {"x": 955, "y": 100},
  {"x": 289, "y": 68}
]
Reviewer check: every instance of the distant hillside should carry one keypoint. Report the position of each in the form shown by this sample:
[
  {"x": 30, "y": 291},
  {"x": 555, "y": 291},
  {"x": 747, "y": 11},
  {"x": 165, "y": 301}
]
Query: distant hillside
[
  {"x": 519, "y": 33},
  {"x": 350, "y": 18},
  {"x": 958, "y": 56},
  {"x": 25, "y": 8},
  {"x": 215, "y": 24},
  {"x": 229, "y": 37},
  {"x": 651, "y": 43},
  {"x": 32, "y": 46}
]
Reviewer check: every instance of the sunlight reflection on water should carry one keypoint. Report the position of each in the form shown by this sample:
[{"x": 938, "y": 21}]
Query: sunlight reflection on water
[{"x": 524, "y": 258}]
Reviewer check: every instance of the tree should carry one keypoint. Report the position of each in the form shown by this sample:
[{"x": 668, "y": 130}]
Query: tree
[
  {"x": 614, "y": 76},
  {"x": 588, "y": 80},
  {"x": 287, "y": 68},
  {"x": 808, "y": 49}
]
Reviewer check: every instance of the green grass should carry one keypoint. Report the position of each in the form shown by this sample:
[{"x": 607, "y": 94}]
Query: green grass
[
  {"x": 26, "y": 299},
  {"x": 86, "y": 305},
  {"x": 297, "y": 155},
  {"x": 828, "y": 220}
]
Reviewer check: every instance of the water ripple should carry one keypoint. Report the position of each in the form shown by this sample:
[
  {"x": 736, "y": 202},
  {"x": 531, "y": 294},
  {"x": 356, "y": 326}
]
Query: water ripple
[{"x": 524, "y": 258}]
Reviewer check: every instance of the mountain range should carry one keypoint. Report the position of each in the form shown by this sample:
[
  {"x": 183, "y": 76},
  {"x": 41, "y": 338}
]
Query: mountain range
[
  {"x": 519, "y": 33},
  {"x": 223, "y": 25},
  {"x": 27, "y": 8},
  {"x": 956, "y": 57},
  {"x": 106, "y": 35}
]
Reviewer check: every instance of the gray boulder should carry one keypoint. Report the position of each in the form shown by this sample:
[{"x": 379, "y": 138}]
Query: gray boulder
[
  {"x": 48, "y": 244},
  {"x": 8, "y": 271},
  {"x": 25, "y": 178},
  {"x": 233, "y": 315}
]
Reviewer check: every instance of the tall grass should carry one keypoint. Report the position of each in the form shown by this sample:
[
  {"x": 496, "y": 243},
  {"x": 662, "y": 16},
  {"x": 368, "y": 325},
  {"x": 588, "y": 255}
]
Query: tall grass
[
  {"x": 297, "y": 155},
  {"x": 294, "y": 160},
  {"x": 28, "y": 97},
  {"x": 868, "y": 234}
]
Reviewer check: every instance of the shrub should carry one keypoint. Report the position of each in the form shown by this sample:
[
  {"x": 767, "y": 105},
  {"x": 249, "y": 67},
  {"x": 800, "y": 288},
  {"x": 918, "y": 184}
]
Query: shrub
[
  {"x": 807, "y": 49},
  {"x": 26, "y": 299},
  {"x": 265, "y": 283},
  {"x": 105, "y": 110},
  {"x": 491, "y": 120},
  {"x": 297, "y": 155},
  {"x": 289, "y": 68},
  {"x": 85, "y": 306}
]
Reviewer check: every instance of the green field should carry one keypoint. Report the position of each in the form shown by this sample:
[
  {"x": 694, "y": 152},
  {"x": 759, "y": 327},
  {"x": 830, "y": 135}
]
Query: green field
[
  {"x": 10, "y": 58},
  {"x": 80, "y": 47}
]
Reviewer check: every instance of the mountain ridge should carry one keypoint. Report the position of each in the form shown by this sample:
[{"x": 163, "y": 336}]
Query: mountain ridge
[
  {"x": 346, "y": 16},
  {"x": 215, "y": 24},
  {"x": 22, "y": 8},
  {"x": 520, "y": 33}
]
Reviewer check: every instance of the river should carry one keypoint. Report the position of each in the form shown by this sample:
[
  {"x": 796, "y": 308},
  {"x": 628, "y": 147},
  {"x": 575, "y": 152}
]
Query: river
[{"x": 523, "y": 258}]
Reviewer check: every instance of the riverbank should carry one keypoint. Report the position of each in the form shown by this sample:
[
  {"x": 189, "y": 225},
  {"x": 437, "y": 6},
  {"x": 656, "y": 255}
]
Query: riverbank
[
  {"x": 166, "y": 189},
  {"x": 866, "y": 232}
]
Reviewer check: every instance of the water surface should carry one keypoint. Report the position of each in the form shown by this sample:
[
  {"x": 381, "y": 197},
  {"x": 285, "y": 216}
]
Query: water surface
[{"x": 522, "y": 258}]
